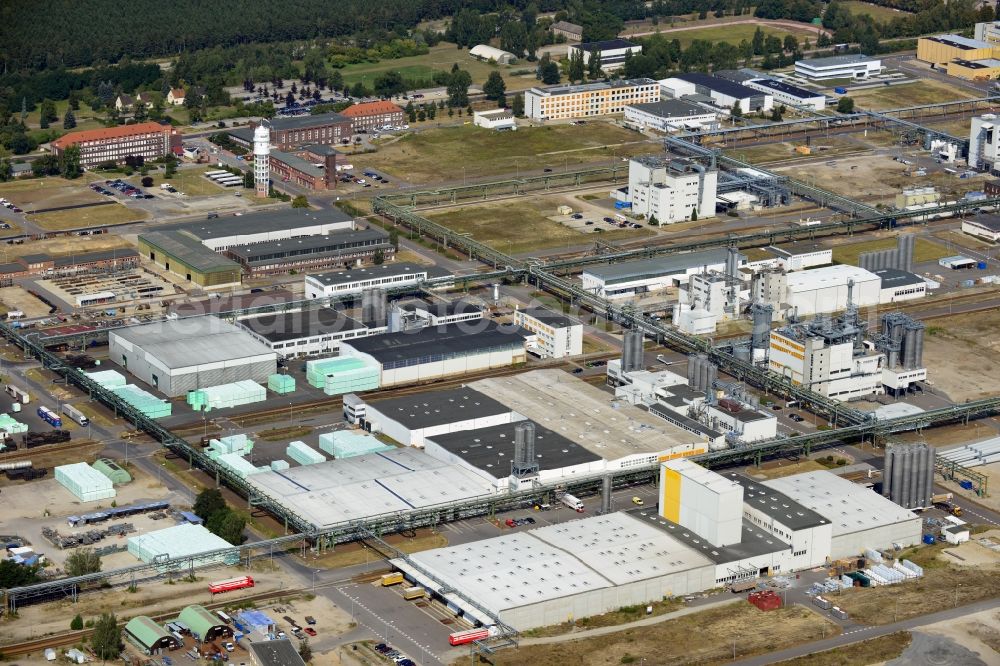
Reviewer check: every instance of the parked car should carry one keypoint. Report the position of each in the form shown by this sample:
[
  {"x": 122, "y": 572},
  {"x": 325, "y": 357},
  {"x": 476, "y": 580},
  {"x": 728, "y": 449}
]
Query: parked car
[
  {"x": 310, "y": 631},
  {"x": 637, "y": 501}
]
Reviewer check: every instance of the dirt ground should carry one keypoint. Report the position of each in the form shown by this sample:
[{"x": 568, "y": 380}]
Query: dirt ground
[
  {"x": 943, "y": 585},
  {"x": 357, "y": 553},
  {"x": 921, "y": 91},
  {"x": 964, "y": 353},
  {"x": 979, "y": 632},
  {"x": 50, "y": 192},
  {"x": 717, "y": 630},
  {"x": 873, "y": 651},
  {"x": 65, "y": 245},
  {"x": 972, "y": 553},
  {"x": 17, "y": 298},
  {"x": 779, "y": 468}
]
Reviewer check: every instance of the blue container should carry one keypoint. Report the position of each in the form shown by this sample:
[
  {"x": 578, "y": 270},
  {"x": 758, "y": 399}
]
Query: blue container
[
  {"x": 966, "y": 485},
  {"x": 840, "y": 91},
  {"x": 981, "y": 265},
  {"x": 929, "y": 539}
]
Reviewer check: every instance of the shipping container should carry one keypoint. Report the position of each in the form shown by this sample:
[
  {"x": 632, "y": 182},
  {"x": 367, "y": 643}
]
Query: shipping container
[
  {"x": 822, "y": 603},
  {"x": 230, "y": 584},
  {"x": 416, "y": 592},
  {"x": 463, "y": 637},
  {"x": 20, "y": 395},
  {"x": 572, "y": 502},
  {"x": 49, "y": 417},
  {"x": 75, "y": 414},
  {"x": 392, "y": 579}
]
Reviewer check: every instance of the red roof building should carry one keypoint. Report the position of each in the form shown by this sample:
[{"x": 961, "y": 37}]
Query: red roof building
[
  {"x": 373, "y": 115},
  {"x": 114, "y": 144}
]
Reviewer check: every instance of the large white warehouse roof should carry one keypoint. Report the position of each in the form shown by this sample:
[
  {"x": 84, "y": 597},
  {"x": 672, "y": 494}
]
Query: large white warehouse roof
[
  {"x": 828, "y": 276},
  {"x": 193, "y": 341}
]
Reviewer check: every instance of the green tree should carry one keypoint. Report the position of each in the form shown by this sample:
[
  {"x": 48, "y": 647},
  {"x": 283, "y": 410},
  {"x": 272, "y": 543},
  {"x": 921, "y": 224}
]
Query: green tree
[
  {"x": 69, "y": 163},
  {"x": 389, "y": 84},
  {"x": 231, "y": 528},
  {"x": 248, "y": 180},
  {"x": 76, "y": 624},
  {"x": 69, "y": 120},
  {"x": 458, "y": 88},
  {"x": 421, "y": 115},
  {"x": 379, "y": 257},
  {"x": 300, "y": 202},
  {"x": 170, "y": 170},
  {"x": 514, "y": 38},
  {"x": 13, "y": 574},
  {"x": 517, "y": 106},
  {"x": 594, "y": 65},
  {"x": 576, "y": 70},
  {"x": 791, "y": 43},
  {"x": 6, "y": 171},
  {"x": 47, "y": 113},
  {"x": 845, "y": 105},
  {"x": 140, "y": 113},
  {"x": 74, "y": 100},
  {"x": 81, "y": 562},
  {"x": 550, "y": 73},
  {"x": 394, "y": 238},
  {"x": 305, "y": 650},
  {"x": 208, "y": 502},
  {"x": 359, "y": 90},
  {"x": 758, "y": 41},
  {"x": 494, "y": 88},
  {"x": 737, "y": 111},
  {"x": 694, "y": 214},
  {"x": 106, "y": 639}
]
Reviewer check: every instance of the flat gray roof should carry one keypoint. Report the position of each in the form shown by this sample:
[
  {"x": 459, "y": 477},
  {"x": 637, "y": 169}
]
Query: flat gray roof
[
  {"x": 188, "y": 249},
  {"x": 181, "y": 343},
  {"x": 333, "y": 243},
  {"x": 303, "y": 122},
  {"x": 299, "y": 164},
  {"x": 276, "y": 653},
  {"x": 492, "y": 449},
  {"x": 893, "y": 278},
  {"x": 836, "y": 61},
  {"x": 433, "y": 408},
  {"x": 261, "y": 222},
  {"x": 551, "y": 317},
  {"x": 753, "y": 542},
  {"x": 651, "y": 268},
  {"x": 672, "y": 108},
  {"x": 405, "y": 347},
  {"x": 777, "y": 505},
  {"x": 572, "y": 89}
]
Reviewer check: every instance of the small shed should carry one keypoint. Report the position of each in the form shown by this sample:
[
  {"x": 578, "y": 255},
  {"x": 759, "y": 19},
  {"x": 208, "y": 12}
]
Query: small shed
[
  {"x": 113, "y": 471},
  {"x": 148, "y": 636},
  {"x": 206, "y": 626},
  {"x": 192, "y": 518},
  {"x": 956, "y": 534}
]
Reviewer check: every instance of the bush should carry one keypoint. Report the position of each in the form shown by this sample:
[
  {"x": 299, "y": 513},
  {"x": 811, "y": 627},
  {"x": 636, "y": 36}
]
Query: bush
[
  {"x": 77, "y": 623},
  {"x": 147, "y": 181}
]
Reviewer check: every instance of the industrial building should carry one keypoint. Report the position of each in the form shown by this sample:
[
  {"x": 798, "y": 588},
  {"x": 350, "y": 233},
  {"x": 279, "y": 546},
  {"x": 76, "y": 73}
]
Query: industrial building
[
  {"x": 724, "y": 93},
  {"x": 432, "y": 353},
  {"x": 563, "y": 572},
  {"x": 670, "y": 115},
  {"x": 304, "y": 171},
  {"x": 148, "y": 636},
  {"x": 183, "y": 541},
  {"x": 986, "y": 227},
  {"x": 571, "y": 31},
  {"x": 324, "y": 129},
  {"x": 223, "y": 233},
  {"x": 784, "y": 93},
  {"x": 423, "y": 313},
  {"x": 306, "y": 332},
  {"x": 974, "y": 70},
  {"x": 611, "y": 52},
  {"x": 350, "y": 489},
  {"x": 697, "y": 498},
  {"x": 671, "y": 189},
  {"x": 278, "y": 652},
  {"x": 710, "y": 297},
  {"x": 556, "y": 335},
  {"x": 984, "y": 143},
  {"x": 401, "y": 274},
  {"x": 185, "y": 256},
  {"x": 114, "y": 144},
  {"x": 368, "y": 116},
  {"x": 850, "y": 66},
  {"x": 897, "y": 285},
  {"x": 347, "y": 247},
  {"x": 492, "y": 453},
  {"x": 632, "y": 278},
  {"x": 942, "y": 49},
  {"x": 824, "y": 289},
  {"x": 860, "y": 518},
  {"x": 411, "y": 419},
  {"x": 496, "y": 119},
  {"x": 588, "y": 99},
  {"x": 488, "y": 53},
  {"x": 180, "y": 355},
  {"x": 622, "y": 434}
]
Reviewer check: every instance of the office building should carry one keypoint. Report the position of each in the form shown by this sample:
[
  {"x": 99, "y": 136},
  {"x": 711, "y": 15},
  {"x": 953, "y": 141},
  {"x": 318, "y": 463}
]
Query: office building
[
  {"x": 670, "y": 115},
  {"x": 368, "y": 116},
  {"x": 984, "y": 142},
  {"x": 671, "y": 189},
  {"x": 307, "y": 332},
  {"x": 853, "y": 66},
  {"x": 611, "y": 52},
  {"x": 789, "y": 95},
  {"x": 340, "y": 283},
  {"x": 556, "y": 335},
  {"x": 589, "y": 99},
  {"x": 114, "y": 144}
]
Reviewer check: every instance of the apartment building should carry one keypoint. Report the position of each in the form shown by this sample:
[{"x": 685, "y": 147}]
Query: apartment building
[{"x": 588, "y": 99}]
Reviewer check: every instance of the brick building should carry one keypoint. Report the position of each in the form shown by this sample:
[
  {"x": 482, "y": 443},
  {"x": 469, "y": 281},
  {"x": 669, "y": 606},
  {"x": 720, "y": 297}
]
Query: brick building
[
  {"x": 312, "y": 167},
  {"x": 373, "y": 115},
  {"x": 114, "y": 144},
  {"x": 325, "y": 129}
]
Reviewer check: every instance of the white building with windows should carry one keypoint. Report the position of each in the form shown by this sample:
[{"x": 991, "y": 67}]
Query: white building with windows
[
  {"x": 340, "y": 283},
  {"x": 587, "y": 100},
  {"x": 789, "y": 95},
  {"x": 556, "y": 335},
  {"x": 612, "y": 52},
  {"x": 724, "y": 93},
  {"x": 853, "y": 66},
  {"x": 633, "y": 278},
  {"x": 497, "y": 119},
  {"x": 669, "y": 190},
  {"x": 670, "y": 115},
  {"x": 984, "y": 142},
  {"x": 306, "y": 332},
  {"x": 826, "y": 363}
]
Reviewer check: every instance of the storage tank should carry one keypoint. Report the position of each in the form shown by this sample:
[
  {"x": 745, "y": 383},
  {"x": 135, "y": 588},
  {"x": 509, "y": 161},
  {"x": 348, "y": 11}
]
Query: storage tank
[
  {"x": 762, "y": 314},
  {"x": 909, "y": 475}
]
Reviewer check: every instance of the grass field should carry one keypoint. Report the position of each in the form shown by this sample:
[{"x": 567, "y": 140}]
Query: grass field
[
  {"x": 109, "y": 215},
  {"x": 877, "y": 12},
  {"x": 455, "y": 153},
  {"x": 672, "y": 642},
  {"x": 872, "y": 651},
  {"x": 923, "y": 250},
  {"x": 439, "y": 59},
  {"x": 521, "y": 226},
  {"x": 86, "y": 118},
  {"x": 191, "y": 182},
  {"x": 924, "y": 91},
  {"x": 50, "y": 192},
  {"x": 734, "y": 34}
]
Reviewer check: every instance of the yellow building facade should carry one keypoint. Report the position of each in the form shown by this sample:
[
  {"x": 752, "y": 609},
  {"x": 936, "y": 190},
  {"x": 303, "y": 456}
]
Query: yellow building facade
[{"x": 943, "y": 49}]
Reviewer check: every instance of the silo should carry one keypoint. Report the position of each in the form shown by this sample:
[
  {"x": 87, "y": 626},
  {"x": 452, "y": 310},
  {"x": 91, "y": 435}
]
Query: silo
[
  {"x": 887, "y": 474},
  {"x": 637, "y": 341},
  {"x": 865, "y": 261},
  {"x": 910, "y": 348},
  {"x": 742, "y": 352},
  {"x": 692, "y": 371},
  {"x": 904, "y": 463},
  {"x": 732, "y": 262},
  {"x": 905, "y": 249},
  {"x": 918, "y": 348},
  {"x": 712, "y": 373},
  {"x": 925, "y": 478},
  {"x": 898, "y": 467},
  {"x": 761, "y": 332}
]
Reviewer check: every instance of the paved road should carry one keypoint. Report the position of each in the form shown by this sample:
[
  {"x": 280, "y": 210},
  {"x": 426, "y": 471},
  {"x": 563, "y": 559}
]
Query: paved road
[{"x": 865, "y": 633}]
